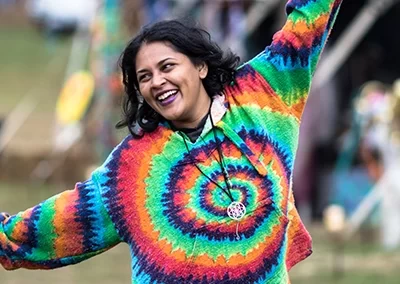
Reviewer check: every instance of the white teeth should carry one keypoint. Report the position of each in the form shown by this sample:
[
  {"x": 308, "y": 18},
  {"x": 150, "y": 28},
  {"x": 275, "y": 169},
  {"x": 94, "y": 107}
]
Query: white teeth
[{"x": 166, "y": 95}]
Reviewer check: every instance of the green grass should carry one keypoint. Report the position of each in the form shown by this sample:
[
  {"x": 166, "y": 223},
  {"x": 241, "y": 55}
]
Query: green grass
[
  {"x": 358, "y": 261},
  {"x": 25, "y": 56},
  {"x": 362, "y": 277},
  {"x": 15, "y": 197}
]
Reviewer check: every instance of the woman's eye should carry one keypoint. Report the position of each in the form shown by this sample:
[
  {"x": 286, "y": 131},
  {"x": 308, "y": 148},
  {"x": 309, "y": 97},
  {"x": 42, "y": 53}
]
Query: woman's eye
[
  {"x": 167, "y": 66},
  {"x": 144, "y": 77}
]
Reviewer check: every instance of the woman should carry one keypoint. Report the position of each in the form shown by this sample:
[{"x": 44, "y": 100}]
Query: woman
[{"x": 201, "y": 190}]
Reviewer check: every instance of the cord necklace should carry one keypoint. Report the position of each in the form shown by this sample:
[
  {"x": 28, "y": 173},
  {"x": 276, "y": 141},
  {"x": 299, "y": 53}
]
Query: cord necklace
[{"x": 236, "y": 209}]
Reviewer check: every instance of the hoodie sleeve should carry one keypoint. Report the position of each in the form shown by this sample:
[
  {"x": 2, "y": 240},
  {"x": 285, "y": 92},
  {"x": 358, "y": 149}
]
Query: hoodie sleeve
[
  {"x": 65, "y": 229},
  {"x": 280, "y": 76}
]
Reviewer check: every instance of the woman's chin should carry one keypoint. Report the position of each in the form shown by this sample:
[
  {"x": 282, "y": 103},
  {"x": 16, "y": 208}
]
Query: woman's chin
[
  {"x": 171, "y": 116},
  {"x": 171, "y": 112}
]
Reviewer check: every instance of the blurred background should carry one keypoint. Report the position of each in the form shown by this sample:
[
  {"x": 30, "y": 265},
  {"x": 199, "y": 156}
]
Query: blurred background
[{"x": 60, "y": 97}]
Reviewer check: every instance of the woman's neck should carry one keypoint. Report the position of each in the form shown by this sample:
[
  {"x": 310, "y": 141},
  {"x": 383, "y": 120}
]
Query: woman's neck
[{"x": 196, "y": 118}]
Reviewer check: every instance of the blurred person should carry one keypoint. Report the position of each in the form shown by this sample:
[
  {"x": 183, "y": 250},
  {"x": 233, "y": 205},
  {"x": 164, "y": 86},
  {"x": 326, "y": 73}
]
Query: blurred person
[
  {"x": 372, "y": 108},
  {"x": 359, "y": 164},
  {"x": 201, "y": 189},
  {"x": 386, "y": 139},
  {"x": 373, "y": 142}
]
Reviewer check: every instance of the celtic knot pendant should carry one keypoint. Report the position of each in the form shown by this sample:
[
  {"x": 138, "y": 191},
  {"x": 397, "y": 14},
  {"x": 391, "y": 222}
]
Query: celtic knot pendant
[{"x": 236, "y": 210}]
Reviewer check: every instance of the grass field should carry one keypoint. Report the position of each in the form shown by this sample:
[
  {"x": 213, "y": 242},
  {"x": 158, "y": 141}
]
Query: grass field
[
  {"x": 30, "y": 64},
  {"x": 24, "y": 69}
]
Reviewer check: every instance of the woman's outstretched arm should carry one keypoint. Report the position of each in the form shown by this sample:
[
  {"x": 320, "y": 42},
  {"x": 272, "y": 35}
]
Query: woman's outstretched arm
[
  {"x": 288, "y": 64},
  {"x": 65, "y": 229}
]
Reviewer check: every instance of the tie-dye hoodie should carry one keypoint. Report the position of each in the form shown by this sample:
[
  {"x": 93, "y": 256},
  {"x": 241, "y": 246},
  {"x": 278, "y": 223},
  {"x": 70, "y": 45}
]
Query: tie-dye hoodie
[{"x": 150, "y": 193}]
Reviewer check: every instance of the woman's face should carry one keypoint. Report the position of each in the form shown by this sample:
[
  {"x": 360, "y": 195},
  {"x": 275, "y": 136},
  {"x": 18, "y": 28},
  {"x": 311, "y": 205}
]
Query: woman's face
[{"x": 171, "y": 84}]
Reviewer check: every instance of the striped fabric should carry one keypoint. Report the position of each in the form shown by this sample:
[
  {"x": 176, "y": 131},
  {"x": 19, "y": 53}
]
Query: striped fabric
[{"x": 150, "y": 193}]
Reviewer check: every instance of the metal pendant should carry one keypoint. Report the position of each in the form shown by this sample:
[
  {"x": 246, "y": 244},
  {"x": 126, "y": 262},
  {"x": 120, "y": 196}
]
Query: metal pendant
[{"x": 236, "y": 210}]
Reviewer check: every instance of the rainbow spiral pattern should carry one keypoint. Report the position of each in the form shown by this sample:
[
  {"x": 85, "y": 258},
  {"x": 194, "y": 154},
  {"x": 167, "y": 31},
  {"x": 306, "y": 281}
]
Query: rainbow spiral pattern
[
  {"x": 179, "y": 230},
  {"x": 150, "y": 194}
]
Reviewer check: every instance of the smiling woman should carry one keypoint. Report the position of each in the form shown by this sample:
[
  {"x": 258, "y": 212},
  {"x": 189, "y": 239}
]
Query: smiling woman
[
  {"x": 173, "y": 56},
  {"x": 171, "y": 84},
  {"x": 202, "y": 189}
]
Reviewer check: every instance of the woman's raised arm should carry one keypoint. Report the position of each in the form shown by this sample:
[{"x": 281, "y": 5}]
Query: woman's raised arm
[
  {"x": 288, "y": 64},
  {"x": 65, "y": 229}
]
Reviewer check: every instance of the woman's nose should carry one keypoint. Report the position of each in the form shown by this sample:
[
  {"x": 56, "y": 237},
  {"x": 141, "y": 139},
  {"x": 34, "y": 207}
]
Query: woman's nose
[{"x": 158, "y": 80}]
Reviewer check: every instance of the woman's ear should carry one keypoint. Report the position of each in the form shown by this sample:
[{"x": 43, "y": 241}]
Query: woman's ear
[{"x": 203, "y": 70}]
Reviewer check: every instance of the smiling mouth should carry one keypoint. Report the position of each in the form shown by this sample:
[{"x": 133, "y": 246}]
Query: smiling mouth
[{"x": 167, "y": 97}]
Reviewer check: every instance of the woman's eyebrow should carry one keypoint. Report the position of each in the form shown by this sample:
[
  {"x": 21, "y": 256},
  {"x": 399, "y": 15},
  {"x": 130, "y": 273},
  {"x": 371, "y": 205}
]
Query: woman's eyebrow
[{"x": 162, "y": 61}]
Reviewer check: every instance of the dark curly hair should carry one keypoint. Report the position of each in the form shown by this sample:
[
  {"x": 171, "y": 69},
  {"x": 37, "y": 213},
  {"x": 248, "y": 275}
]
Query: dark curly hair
[{"x": 187, "y": 38}]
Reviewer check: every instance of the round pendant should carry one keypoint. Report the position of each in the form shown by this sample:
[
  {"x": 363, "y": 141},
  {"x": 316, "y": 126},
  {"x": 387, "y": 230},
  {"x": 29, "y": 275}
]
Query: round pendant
[{"x": 236, "y": 210}]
